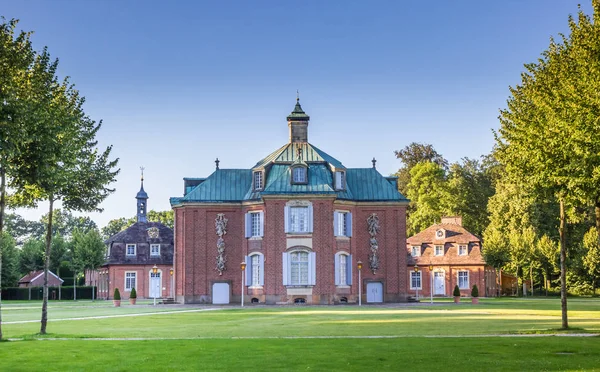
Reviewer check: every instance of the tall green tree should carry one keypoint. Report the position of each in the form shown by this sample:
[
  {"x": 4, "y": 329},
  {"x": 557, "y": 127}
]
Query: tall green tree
[
  {"x": 75, "y": 171},
  {"x": 427, "y": 192},
  {"x": 21, "y": 229},
  {"x": 164, "y": 217},
  {"x": 31, "y": 256},
  {"x": 413, "y": 154},
  {"x": 591, "y": 261},
  {"x": 549, "y": 136},
  {"x": 10, "y": 261},
  {"x": 64, "y": 222},
  {"x": 88, "y": 250}
]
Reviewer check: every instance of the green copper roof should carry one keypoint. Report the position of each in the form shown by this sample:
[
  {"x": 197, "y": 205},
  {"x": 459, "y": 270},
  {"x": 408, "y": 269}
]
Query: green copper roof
[
  {"x": 367, "y": 184},
  {"x": 288, "y": 153},
  {"x": 279, "y": 182},
  {"x": 224, "y": 185},
  {"x": 298, "y": 113}
]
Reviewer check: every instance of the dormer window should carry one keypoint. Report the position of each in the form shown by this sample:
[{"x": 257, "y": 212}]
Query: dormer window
[
  {"x": 299, "y": 175},
  {"x": 258, "y": 180},
  {"x": 340, "y": 180}
]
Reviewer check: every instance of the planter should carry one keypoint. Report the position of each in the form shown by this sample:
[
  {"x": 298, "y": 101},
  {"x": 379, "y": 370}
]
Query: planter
[
  {"x": 117, "y": 303},
  {"x": 456, "y": 299},
  {"x": 475, "y": 300},
  {"x": 132, "y": 301}
]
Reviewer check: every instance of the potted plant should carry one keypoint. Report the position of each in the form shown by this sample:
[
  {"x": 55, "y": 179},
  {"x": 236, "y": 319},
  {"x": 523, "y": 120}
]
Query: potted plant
[
  {"x": 456, "y": 294},
  {"x": 132, "y": 296},
  {"x": 117, "y": 298},
  {"x": 475, "y": 295}
]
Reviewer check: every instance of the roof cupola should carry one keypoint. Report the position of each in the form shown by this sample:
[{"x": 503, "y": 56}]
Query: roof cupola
[
  {"x": 298, "y": 123},
  {"x": 142, "y": 197}
]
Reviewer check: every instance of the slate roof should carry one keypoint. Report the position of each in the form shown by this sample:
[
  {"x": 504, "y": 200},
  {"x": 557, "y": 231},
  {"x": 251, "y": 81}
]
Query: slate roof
[{"x": 138, "y": 233}]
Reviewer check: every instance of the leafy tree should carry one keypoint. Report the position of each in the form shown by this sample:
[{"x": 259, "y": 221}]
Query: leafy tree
[
  {"x": 495, "y": 251},
  {"x": 591, "y": 261},
  {"x": 16, "y": 56},
  {"x": 21, "y": 229},
  {"x": 59, "y": 253},
  {"x": 10, "y": 261},
  {"x": 75, "y": 172},
  {"x": 31, "y": 257},
  {"x": 549, "y": 139},
  {"x": 549, "y": 259},
  {"x": 88, "y": 250},
  {"x": 116, "y": 225},
  {"x": 64, "y": 222},
  {"x": 413, "y": 154},
  {"x": 427, "y": 193},
  {"x": 469, "y": 188}
]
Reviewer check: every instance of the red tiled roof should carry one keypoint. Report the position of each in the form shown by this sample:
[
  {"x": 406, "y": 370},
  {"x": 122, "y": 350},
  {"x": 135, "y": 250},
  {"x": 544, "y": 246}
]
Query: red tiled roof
[
  {"x": 454, "y": 234},
  {"x": 34, "y": 274}
]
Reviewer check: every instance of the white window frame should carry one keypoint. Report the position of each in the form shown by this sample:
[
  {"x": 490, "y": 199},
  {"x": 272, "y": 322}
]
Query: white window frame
[
  {"x": 466, "y": 250},
  {"x": 292, "y": 226},
  {"x": 255, "y": 231},
  {"x": 342, "y": 223},
  {"x": 257, "y": 180},
  {"x": 343, "y": 269},
  {"x": 435, "y": 250},
  {"x": 415, "y": 251},
  {"x": 340, "y": 180},
  {"x": 288, "y": 268},
  {"x": 458, "y": 279},
  {"x": 152, "y": 252},
  {"x": 128, "y": 288},
  {"x": 300, "y": 175},
  {"x": 303, "y": 267},
  {"x": 255, "y": 270},
  {"x": 416, "y": 276},
  {"x": 127, "y": 249}
]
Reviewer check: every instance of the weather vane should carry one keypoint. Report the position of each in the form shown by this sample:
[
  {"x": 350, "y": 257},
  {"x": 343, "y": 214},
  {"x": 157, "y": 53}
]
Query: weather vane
[{"x": 142, "y": 169}]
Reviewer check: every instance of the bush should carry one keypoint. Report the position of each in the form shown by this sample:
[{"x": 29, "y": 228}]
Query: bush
[
  {"x": 117, "y": 295},
  {"x": 133, "y": 294},
  {"x": 456, "y": 292},
  {"x": 475, "y": 291}
]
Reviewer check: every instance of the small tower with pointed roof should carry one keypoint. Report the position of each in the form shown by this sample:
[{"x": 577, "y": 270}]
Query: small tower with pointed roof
[
  {"x": 142, "y": 197},
  {"x": 298, "y": 123}
]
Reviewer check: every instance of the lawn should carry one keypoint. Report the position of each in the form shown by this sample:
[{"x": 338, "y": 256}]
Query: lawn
[{"x": 416, "y": 337}]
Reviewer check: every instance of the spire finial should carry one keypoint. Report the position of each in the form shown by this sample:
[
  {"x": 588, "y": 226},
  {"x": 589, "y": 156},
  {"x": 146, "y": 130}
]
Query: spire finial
[
  {"x": 142, "y": 169},
  {"x": 297, "y": 95},
  {"x": 374, "y": 161},
  {"x": 217, "y": 161}
]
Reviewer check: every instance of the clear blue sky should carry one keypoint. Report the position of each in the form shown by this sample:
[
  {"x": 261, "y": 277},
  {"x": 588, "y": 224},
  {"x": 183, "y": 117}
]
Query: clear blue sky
[{"x": 179, "y": 83}]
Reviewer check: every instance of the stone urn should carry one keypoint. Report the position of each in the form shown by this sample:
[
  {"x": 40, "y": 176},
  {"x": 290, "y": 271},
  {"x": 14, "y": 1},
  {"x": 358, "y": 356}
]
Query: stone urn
[{"x": 117, "y": 303}]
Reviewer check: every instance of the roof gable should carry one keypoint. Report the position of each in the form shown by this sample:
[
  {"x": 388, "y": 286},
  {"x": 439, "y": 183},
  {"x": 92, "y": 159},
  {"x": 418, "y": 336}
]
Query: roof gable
[{"x": 453, "y": 234}]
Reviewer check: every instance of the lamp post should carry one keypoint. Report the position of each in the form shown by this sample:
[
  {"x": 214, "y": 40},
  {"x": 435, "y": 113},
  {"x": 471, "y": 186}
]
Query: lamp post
[
  {"x": 154, "y": 271},
  {"x": 431, "y": 284},
  {"x": 172, "y": 283},
  {"x": 359, "y": 267},
  {"x": 243, "y": 267},
  {"x": 417, "y": 286}
]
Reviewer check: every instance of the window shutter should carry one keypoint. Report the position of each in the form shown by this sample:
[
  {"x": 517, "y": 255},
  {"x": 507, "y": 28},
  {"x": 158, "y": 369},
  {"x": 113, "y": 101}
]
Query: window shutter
[
  {"x": 337, "y": 268},
  {"x": 248, "y": 261},
  {"x": 261, "y": 279},
  {"x": 286, "y": 218},
  {"x": 248, "y": 225},
  {"x": 336, "y": 217},
  {"x": 349, "y": 224},
  {"x": 349, "y": 270},
  {"x": 310, "y": 218},
  {"x": 262, "y": 224},
  {"x": 312, "y": 268},
  {"x": 285, "y": 268}
]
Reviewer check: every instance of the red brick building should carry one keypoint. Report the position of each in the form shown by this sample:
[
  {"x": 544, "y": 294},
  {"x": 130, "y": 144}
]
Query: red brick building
[
  {"x": 132, "y": 257},
  {"x": 454, "y": 254},
  {"x": 36, "y": 279},
  {"x": 299, "y": 221}
]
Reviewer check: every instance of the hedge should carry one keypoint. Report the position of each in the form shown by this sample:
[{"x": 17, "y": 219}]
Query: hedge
[{"x": 66, "y": 293}]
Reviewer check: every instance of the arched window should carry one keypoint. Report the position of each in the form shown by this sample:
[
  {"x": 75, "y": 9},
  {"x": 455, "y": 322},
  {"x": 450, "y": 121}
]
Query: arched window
[
  {"x": 255, "y": 270},
  {"x": 299, "y": 268},
  {"x": 343, "y": 269}
]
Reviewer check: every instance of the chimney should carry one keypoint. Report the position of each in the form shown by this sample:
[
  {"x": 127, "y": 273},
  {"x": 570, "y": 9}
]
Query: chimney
[{"x": 454, "y": 220}]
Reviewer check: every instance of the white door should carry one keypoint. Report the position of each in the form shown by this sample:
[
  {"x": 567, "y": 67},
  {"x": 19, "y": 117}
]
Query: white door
[
  {"x": 375, "y": 292},
  {"x": 439, "y": 283},
  {"x": 220, "y": 293},
  {"x": 155, "y": 285}
]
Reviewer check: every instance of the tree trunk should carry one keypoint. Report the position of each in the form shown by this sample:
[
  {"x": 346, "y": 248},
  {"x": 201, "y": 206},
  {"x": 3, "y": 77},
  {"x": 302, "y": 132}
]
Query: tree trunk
[
  {"x": 47, "y": 266},
  {"x": 517, "y": 275},
  {"x": 2, "y": 207},
  {"x": 531, "y": 279},
  {"x": 563, "y": 266}
]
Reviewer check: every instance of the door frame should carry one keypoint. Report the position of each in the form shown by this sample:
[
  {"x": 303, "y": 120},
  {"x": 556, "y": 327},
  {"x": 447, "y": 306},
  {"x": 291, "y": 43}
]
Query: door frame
[
  {"x": 382, "y": 291},
  {"x": 443, "y": 272},
  {"x": 159, "y": 283}
]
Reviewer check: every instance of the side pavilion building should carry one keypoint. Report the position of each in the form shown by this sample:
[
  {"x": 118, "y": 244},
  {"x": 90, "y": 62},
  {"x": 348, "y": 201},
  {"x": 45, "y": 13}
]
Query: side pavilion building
[{"x": 297, "y": 223}]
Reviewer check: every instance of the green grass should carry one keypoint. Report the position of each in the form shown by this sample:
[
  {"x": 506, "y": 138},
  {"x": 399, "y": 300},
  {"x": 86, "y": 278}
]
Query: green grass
[{"x": 235, "y": 338}]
